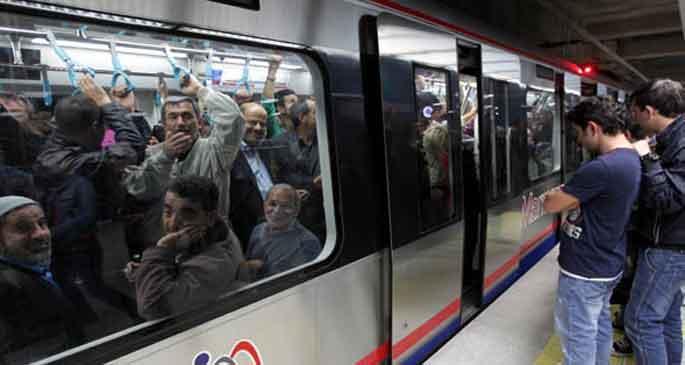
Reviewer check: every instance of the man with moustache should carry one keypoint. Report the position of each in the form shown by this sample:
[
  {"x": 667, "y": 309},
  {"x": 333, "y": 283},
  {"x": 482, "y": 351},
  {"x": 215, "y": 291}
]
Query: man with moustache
[
  {"x": 33, "y": 307},
  {"x": 281, "y": 243},
  {"x": 185, "y": 153},
  {"x": 189, "y": 266}
]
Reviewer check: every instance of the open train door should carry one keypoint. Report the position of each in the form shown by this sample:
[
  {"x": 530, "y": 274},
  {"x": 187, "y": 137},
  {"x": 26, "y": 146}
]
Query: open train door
[{"x": 417, "y": 98}]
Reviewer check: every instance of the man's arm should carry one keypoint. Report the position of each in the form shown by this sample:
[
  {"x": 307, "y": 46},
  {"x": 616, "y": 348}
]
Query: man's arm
[
  {"x": 663, "y": 188},
  {"x": 229, "y": 125},
  {"x": 556, "y": 200}
]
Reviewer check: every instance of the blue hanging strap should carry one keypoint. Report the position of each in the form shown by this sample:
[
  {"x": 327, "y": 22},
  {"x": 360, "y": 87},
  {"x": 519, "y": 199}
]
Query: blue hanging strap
[
  {"x": 245, "y": 79},
  {"x": 177, "y": 69},
  {"x": 158, "y": 96},
  {"x": 208, "y": 68},
  {"x": 71, "y": 65},
  {"x": 47, "y": 91},
  {"x": 119, "y": 69}
]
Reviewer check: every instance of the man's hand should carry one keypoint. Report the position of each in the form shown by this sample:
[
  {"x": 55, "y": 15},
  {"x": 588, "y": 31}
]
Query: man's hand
[
  {"x": 177, "y": 144},
  {"x": 129, "y": 270},
  {"x": 274, "y": 64},
  {"x": 93, "y": 91},
  {"x": 317, "y": 182},
  {"x": 190, "y": 85},
  {"x": 182, "y": 239},
  {"x": 642, "y": 147}
]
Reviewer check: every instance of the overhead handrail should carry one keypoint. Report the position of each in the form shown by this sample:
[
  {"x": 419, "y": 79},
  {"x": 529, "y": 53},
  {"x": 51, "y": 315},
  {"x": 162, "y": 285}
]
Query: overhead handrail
[
  {"x": 72, "y": 66},
  {"x": 175, "y": 67},
  {"x": 118, "y": 69}
]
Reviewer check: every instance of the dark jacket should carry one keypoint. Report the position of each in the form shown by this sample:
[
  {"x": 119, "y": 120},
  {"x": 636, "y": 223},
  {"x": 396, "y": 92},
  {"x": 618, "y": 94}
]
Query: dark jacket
[
  {"x": 247, "y": 205},
  {"x": 168, "y": 283},
  {"x": 662, "y": 195},
  {"x": 33, "y": 311},
  {"x": 62, "y": 157},
  {"x": 70, "y": 205}
]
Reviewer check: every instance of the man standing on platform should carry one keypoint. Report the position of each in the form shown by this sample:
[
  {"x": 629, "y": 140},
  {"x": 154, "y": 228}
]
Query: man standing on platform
[
  {"x": 598, "y": 200},
  {"x": 652, "y": 317}
]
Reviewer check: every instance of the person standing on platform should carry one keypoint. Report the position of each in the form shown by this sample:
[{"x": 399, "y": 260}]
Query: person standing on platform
[
  {"x": 652, "y": 317},
  {"x": 598, "y": 200}
]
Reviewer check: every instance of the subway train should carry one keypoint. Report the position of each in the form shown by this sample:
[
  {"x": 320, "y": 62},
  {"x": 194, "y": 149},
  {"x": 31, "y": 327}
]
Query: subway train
[{"x": 436, "y": 137}]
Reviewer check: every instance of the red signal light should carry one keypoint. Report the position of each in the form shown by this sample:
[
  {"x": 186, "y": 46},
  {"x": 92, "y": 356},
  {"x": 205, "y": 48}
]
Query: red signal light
[{"x": 587, "y": 69}]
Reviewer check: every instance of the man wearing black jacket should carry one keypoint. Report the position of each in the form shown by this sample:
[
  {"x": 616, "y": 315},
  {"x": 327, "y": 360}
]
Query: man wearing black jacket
[
  {"x": 652, "y": 316},
  {"x": 75, "y": 146}
]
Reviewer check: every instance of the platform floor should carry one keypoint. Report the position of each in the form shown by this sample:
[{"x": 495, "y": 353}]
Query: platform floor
[
  {"x": 514, "y": 329},
  {"x": 518, "y": 328}
]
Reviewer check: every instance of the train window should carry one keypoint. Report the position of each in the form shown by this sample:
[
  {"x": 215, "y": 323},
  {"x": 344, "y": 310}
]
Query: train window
[
  {"x": 170, "y": 171},
  {"x": 434, "y": 157},
  {"x": 544, "y": 152}
]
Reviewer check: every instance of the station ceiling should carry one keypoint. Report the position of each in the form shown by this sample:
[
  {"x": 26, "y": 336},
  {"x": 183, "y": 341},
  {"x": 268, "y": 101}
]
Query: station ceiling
[{"x": 626, "y": 40}]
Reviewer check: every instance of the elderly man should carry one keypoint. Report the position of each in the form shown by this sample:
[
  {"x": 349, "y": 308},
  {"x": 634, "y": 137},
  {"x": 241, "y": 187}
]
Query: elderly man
[
  {"x": 185, "y": 153},
  {"x": 33, "y": 307},
  {"x": 282, "y": 242},
  {"x": 189, "y": 266}
]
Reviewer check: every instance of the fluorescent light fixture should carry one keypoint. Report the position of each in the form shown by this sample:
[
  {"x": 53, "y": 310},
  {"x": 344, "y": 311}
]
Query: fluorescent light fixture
[
  {"x": 87, "y": 14},
  {"x": 240, "y": 37},
  {"x": 105, "y": 48}
]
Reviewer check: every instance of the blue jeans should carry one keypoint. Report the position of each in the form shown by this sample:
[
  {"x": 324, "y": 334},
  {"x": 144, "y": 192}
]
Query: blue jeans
[
  {"x": 583, "y": 321},
  {"x": 652, "y": 318}
]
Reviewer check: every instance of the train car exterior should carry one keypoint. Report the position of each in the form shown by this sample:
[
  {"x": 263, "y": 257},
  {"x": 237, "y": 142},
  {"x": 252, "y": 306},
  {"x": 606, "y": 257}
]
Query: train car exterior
[{"x": 426, "y": 221}]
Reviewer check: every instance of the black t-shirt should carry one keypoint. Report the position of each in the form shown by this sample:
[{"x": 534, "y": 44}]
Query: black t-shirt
[{"x": 593, "y": 236}]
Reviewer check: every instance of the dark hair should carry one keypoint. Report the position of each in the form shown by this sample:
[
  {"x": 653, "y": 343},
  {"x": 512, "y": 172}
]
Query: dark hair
[
  {"x": 198, "y": 189},
  {"x": 75, "y": 114},
  {"x": 426, "y": 99},
  {"x": 281, "y": 94},
  {"x": 611, "y": 116},
  {"x": 664, "y": 95},
  {"x": 636, "y": 131},
  {"x": 178, "y": 99},
  {"x": 301, "y": 107}
]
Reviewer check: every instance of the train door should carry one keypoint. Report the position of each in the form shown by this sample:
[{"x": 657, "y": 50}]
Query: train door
[
  {"x": 419, "y": 98},
  {"x": 470, "y": 102}
]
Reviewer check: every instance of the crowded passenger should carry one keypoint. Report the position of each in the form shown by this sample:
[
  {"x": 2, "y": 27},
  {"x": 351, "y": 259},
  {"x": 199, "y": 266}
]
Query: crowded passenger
[
  {"x": 185, "y": 153},
  {"x": 300, "y": 167},
  {"x": 285, "y": 99},
  {"x": 75, "y": 147},
  {"x": 252, "y": 174},
  {"x": 190, "y": 265},
  {"x": 281, "y": 243},
  {"x": 653, "y": 314},
  {"x": 598, "y": 199},
  {"x": 273, "y": 123},
  {"x": 126, "y": 97},
  {"x": 22, "y": 131},
  {"x": 36, "y": 318}
]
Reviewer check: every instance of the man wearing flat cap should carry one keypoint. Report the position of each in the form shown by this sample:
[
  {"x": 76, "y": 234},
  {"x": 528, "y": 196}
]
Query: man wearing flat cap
[{"x": 36, "y": 319}]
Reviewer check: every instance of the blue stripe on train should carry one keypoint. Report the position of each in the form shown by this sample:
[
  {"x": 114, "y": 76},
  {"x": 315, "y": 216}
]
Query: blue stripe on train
[{"x": 421, "y": 353}]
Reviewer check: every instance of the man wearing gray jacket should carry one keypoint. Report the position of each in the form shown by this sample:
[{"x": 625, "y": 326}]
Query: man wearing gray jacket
[{"x": 185, "y": 153}]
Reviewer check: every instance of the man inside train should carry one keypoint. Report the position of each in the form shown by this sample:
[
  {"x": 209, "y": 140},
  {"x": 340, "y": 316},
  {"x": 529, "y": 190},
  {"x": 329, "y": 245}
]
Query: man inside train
[
  {"x": 285, "y": 99},
  {"x": 34, "y": 309},
  {"x": 252, "y": 174},
  {"x": 189, "y": 266},
  {"x": 184, "y": 152},
  {"x": 281, "y": 243},
  {"x": 598, "y": 199},
  {"x": 126, "y": 97},
  {"x": 652, "y": 317},
  {"x": 300, "y": 167},
  {"x": 76, "y": 146}
]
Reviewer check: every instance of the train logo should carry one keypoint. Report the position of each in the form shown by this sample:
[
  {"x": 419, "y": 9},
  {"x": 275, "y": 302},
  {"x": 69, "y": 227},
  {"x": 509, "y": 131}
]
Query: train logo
[
  {"x": 243, "y": 346},
  {"x": 531, "y": 210}
]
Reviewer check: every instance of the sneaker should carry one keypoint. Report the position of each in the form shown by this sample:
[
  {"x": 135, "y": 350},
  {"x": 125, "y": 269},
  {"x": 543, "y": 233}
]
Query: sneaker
[{"x": 623, "y": 347}]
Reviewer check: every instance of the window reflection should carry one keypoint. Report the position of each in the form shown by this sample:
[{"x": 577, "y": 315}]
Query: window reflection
[
  {"x": 543, "y": 124},
  {"x": 433, "y": 146}
]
